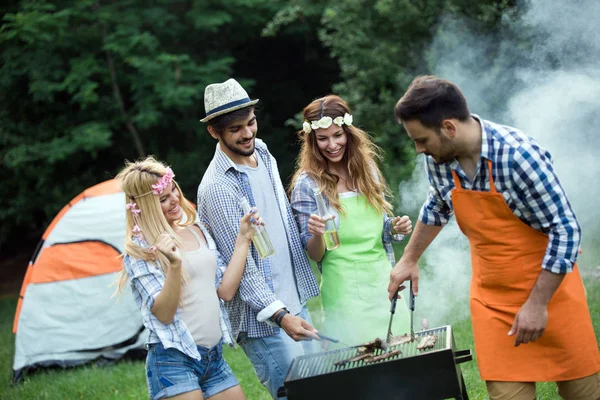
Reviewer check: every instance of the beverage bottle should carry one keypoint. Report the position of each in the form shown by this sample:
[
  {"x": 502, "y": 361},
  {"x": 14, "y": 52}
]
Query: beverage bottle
[
  {"x": 260, "y": 239},
  {"x": 332, "y": 240}
]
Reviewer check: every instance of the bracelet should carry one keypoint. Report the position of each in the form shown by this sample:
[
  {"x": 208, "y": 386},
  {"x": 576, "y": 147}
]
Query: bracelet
[{"x": 278, "y": 317}]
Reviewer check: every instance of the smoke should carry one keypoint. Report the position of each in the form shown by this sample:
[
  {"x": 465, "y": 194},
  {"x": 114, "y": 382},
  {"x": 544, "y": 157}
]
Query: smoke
[
  {"x": 444, "y": 282},
  {"x": 540, "y": 73}
]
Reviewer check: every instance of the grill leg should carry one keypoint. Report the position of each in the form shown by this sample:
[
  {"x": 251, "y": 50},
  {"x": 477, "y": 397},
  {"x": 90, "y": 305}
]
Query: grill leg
[{"x": 464, "y": 395}]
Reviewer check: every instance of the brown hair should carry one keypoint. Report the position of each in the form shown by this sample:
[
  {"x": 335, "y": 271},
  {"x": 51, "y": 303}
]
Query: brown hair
[
  {"x": 430, "y": 100},
  {"x": 221, "y": 122},
  {"x": 360, "y": 156}
]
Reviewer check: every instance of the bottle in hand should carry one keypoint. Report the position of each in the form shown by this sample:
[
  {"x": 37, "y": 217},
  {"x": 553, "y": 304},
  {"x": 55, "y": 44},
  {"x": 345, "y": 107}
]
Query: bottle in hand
[
  {"x": 332, "y": 240},
  {"x": 260, "y": 239}
]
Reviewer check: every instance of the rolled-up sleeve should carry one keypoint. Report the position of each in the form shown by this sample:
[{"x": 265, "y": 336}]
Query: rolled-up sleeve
[
  {"x": 146, "y": 280},
  {"x": 544, "y": 198},
  {"x": 387, "y": 236},
  {"x": 303, "y": 205},
  {"x": 435, "y": 211}
]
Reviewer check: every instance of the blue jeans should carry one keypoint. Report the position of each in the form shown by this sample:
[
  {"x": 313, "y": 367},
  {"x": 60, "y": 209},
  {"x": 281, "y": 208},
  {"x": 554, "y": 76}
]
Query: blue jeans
[
  {"x": 272, "y": 356},
  {"x": 169, "y": 372}
]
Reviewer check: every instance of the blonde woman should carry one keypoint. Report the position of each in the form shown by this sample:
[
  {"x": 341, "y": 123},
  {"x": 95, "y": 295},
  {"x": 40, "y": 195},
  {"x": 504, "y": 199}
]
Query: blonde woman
[
  {"x": 177, "y": 277},
  {"x": 339, "y": 159}
]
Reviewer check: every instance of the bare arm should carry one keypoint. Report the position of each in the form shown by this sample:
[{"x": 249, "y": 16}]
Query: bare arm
[
  {"x": 167, "y": 301},
  {"x": 235, "y": 269},
  {"x": 530, "y": 322},
  {"x": 545, "y": 287},
  {"x": 407, "y": 267}
]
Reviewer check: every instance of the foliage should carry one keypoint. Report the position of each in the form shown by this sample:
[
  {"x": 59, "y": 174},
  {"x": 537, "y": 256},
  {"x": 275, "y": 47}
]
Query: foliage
[
  {"x": 381, "y": 45},
  {"x": 87, "y": 84}
]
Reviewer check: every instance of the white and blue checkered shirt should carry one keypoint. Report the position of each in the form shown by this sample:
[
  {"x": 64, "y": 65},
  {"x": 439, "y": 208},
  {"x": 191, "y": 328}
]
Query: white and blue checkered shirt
[
  {"x": 147, "y": 280},
  {"x": 523, "y": 173},
  {"x": 219, "y": 194},
  {"x": 304, "y": 204}
]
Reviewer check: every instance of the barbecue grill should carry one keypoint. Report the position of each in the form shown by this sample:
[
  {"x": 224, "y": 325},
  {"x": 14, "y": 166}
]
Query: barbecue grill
[{"x": 431, "y": 373}]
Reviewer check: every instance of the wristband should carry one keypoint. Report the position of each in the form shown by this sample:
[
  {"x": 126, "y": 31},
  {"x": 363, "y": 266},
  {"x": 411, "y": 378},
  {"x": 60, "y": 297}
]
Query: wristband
[{"x": 278, "y": 317}]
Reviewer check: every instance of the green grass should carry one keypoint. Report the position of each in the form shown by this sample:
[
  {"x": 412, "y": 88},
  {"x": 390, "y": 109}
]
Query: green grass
[{"x": 126, "y": 380}]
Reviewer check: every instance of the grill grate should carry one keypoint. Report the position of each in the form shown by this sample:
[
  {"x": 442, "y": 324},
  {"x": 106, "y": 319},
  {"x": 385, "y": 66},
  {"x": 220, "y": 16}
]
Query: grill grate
[{"x": 322, "y": 363}]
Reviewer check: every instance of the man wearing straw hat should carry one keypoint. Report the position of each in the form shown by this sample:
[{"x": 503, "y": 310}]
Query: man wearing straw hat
[{"x": 274, "y": 290}]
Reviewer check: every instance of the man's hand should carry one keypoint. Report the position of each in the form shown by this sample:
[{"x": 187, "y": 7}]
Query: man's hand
[
  {"x": 530, "y": 322},
  {"x": 404, "y": 270},
  {"x": 298, "y": 329}
]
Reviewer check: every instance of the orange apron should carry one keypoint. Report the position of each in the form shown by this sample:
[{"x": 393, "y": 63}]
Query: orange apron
[{"x": 506, "y": 256}]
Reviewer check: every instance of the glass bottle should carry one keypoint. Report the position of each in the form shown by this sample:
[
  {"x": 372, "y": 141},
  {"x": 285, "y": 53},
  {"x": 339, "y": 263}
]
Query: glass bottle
[
  {"x": 332, "y": 240},
  {"x": 260, "y": 239}
]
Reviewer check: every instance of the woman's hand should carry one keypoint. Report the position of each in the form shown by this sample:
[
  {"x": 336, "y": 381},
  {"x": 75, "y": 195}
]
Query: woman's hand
[
  {"x": 316, "y": 225},
  {"x": 401, "y": 225},
  {"x": 166, "y": 245},
  {"x": 248, "y": 224}
]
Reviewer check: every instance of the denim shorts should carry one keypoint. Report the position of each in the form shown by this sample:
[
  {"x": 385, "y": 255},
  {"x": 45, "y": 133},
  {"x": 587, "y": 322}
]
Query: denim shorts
[{"x": 170, "y": 372}]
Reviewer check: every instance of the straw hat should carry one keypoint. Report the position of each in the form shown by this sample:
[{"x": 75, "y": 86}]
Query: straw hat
[{"x": 221, "y": 98}]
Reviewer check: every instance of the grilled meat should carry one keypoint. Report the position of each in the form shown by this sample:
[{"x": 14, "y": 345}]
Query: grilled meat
[
  {"x": 367, "y": 352},
  {"x": 383, "y": 356},
  {"x": 427, "y": 342},
  {"x": 352, "y": 359},
  {"x": 401, "y": 339},
  {"x": 375, "y": 344}
]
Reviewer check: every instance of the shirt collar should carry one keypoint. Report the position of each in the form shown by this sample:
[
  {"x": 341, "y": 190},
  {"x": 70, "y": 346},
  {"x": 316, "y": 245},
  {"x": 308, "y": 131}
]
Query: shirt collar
[
  {"x": 224, "y": 163},
  {"x": 487, "y": 148}
]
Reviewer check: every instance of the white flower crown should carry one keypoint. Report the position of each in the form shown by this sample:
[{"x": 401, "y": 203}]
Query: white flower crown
[{"x": 325, "y": 122}]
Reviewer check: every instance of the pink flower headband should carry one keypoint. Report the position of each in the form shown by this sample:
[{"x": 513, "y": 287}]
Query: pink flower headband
[
  {"x": 163, "y": 182},
  {"x": 157, "y": 189}
]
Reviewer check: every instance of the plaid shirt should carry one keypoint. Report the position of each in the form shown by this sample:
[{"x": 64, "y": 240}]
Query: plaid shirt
[
  {"x": 147, "y": 280},
  {"x": 304, "y": 204},
  {"x": 524, "y": 174},
  {"x": 219, "y": 193}
]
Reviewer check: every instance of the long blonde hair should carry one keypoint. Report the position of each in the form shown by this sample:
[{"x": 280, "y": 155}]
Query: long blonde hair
[
  {"x": 360, "y": 156},
  {"x": 136, "y": 181}
]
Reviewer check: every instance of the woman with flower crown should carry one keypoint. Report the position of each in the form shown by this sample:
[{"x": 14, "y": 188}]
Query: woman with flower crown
[
  {"x": 177, "y": 277},
  {"x": 338, "y": 159}
]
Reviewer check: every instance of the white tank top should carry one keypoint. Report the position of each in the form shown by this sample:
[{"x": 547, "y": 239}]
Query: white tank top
[{"x": 200, "y": 311}]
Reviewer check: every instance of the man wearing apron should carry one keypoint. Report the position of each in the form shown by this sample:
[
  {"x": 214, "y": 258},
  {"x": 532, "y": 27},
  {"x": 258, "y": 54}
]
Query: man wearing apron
[{"x": 530, "y": 317}]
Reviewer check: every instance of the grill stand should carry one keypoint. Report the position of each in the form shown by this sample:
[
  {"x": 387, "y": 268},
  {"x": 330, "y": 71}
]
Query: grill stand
[{"x": 429, "y": 375}]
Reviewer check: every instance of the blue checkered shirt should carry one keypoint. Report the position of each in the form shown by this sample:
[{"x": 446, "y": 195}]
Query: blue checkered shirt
[
  {"x": 219, "y": 193},
  {"x": 147, "y": 280},
  {"x": 304, "y": 204},
  {"x": 524, "y": 175}
]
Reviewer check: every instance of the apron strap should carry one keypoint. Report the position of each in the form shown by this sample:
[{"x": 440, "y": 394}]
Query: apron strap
[
  {"x": 492, "y": 185},
  {"x": 456, "y": 180}
]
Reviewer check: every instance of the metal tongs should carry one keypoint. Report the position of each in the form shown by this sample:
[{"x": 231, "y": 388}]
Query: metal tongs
[
  {"x": 411, "y": 305},
  {"x": 393, "y": 311},
  {"x": 330, "y": 339}
]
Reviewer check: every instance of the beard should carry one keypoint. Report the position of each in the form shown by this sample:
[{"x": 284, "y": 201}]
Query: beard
[
  {"x": 237, "y": 150},
  {"x": 447, "y": 151}
]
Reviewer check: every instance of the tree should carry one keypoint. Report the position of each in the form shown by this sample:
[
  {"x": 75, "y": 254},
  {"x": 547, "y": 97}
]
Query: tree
[
  {"x": 381, "y": 45},
  {"x": 86, "y": 84}
]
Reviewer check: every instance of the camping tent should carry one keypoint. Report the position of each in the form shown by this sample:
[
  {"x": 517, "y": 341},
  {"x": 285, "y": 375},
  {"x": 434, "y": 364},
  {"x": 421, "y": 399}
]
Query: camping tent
[{"x": 67, "y": 314}]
